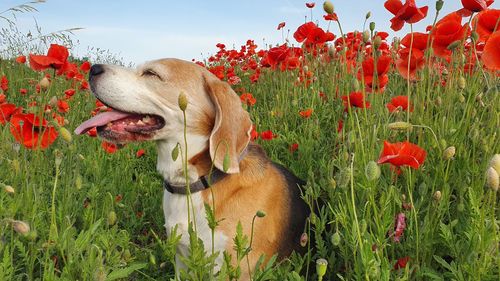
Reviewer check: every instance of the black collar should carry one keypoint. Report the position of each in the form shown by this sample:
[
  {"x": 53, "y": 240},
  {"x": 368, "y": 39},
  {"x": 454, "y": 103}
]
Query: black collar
[{"x": 202, "y": 183}]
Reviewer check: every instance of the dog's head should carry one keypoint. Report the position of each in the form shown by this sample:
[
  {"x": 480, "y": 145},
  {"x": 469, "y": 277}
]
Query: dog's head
[{"x": 144, "y": 103}]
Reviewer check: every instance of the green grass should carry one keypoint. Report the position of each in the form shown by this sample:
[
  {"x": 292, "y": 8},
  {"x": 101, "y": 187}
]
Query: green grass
[{"x": 454, "y": 238}]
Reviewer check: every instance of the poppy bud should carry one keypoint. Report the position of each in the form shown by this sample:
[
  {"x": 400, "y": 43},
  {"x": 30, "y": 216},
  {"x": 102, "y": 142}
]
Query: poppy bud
[
  {"x": 44, "y": 83},
  {"x": 461, "y": 82},
  {"x": 366, "y": 36},
  {"x": 183, "y": 102},
  {"x": 260, "y": 214},
  {"x": 453, "y": 45},
  {"x": 492, "y": 179},
  {"x": 111, "y": 218},
  {"x": 78, "y": 182},
  {"x": 377, "y": 41},
  {"x": 368, "y": 15},
  {"x": 437, "y": 195},
  {"x": 439, "y": 5},
  {"x": 461, "y": 98},
  {"x": 53, "y": 101},
  {"x": 65, "y": 134},
  {"x": 226, "y": 162},
  {"x": 439, "y": 101},
  {"x": 333, "y": 183},
  {"x": 335, "y": 239},
  {"x": 495, "y": 163},
  {"x": 16, "y": 166},
  {"x": 152, "y": 259},
  {"x": 59, "y": 156},
  {"x": 449, "y": 153},
  {"x": 175, "y": 152},
  {"x": 20, "y": 227},
  {"x": 304, "y": 239},
  {"x": 328, "y": 7},
  {"x": 355, "y": 85},
  {"x": 401, "y": 125},
  {"x": 321, "y": 265},
  {"x": 9, "y": 189},
  {"x": 126, "y": 255},
  {"x": 372, "y": 171},
  {"x": 372, "y": 26}
]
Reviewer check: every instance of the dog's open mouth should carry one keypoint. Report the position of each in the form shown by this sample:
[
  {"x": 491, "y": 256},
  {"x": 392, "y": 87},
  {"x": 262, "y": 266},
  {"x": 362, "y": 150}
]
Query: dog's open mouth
[{"x": 121, "y": 127}]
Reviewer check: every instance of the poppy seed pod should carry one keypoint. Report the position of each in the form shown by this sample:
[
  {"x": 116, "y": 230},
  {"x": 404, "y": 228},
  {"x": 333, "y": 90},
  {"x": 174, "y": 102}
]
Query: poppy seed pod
[
  {"x": 20, "y": 227},
  {"x": 453, "y": 45},
  {"x": 492, "y": 179},
  {"x": 495, "y": 163},
  {"x": 183, "y": 102},
  {"x": 335, "y": 239},
  {"x": 328, "y": 7},
  {"x": 321, "y": 265},
  {"x": 377, "y": 41},
  {"x": 449, "y": 153},
  {"x": 368, "y": 15}
]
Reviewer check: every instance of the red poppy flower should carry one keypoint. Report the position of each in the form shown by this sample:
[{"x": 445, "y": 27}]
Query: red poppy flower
[
  {"x": 448, "y": 30},
  {"x": 23, "y": 91},
  {"x": 408, "y": 12},
  {"x": 85, "y": 67},
  {"x": 491, "y": 52},
  {"x": 92, "y": 132},
  {"x": 109, "y": 147},
  {"x": 399, "y": 103},
  {"x": 254, "y": 134},
  {"x": 402, "y": 154},
  {"x": 333, "y": 17},
  {"x": 476, "y": 5},
  {"x": 6, "y": 111},
  {"x": 58, "y": 118},
  {"x": 69, "y": 93},
  {"x": 62, "y": 106},
  {"x": 312, "y": 34},
  {"x": 340, "y": 126},
  {"x": 140, "y": 153},
  {"x": 4, "y": 83},
  {"x": 21, "y": 59},
  {"x": 55, "y": 58},
  {"x": 355, "y": 99},
  {"x": 401, "y": 263},
  {"x": 294, "y": 147},
  {"x": 248, "y": 99},
  {"x": 310, "y": 5},
  {"x": 32, "y": 131},
  {"x": 84, "y": 85},
  {"x": 3, "y": 98},
  {"x": 267, "y": 135},
  {"x": 485, "y": 23},
  {"x": 306, "y": 113},
  {"x": 419, "y": 40},
  {"x": 368, "y": 72},
  {"x": 412, "y": 63},
  {"x": 281, "y": 25}
]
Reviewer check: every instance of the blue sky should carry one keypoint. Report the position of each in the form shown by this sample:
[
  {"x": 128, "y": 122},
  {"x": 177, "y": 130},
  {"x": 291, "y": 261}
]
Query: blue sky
[{"x": 145, "y": 30}]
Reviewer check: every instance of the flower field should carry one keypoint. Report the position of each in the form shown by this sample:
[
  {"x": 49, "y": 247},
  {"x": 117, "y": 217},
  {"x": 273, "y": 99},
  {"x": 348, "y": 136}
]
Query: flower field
[{"x": 398, "y": 141}]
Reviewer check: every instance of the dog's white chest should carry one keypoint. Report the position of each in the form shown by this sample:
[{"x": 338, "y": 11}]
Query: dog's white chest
[{"x": 175, "y": 208}]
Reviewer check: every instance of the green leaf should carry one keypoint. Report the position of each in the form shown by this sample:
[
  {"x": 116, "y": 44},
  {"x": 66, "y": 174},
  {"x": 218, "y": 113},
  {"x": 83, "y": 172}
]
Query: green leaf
[{"x": 125, "y": 272}]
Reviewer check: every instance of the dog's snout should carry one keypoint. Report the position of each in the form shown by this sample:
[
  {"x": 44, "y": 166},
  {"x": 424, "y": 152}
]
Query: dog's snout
[{"x": 96, "y": 69}]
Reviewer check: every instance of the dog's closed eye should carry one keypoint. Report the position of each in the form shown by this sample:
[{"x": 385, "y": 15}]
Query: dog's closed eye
[{"x": 151, "y": 73}]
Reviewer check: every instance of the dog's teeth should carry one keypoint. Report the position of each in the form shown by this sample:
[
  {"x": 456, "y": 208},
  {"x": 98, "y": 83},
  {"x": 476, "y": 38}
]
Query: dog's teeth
[
  {"x": 140, "y": 122},
  {"x": 146, "y": 119}
]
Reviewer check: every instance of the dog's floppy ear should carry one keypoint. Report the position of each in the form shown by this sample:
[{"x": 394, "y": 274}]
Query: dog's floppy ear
[{"x": 232, "y": 127}]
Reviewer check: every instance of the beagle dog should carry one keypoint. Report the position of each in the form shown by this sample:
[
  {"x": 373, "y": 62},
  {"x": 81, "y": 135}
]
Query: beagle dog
[{"x": 145, "y": 106}]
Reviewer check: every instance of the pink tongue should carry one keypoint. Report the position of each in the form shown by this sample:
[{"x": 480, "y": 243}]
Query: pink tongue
[{"x": 100, "y": 120}]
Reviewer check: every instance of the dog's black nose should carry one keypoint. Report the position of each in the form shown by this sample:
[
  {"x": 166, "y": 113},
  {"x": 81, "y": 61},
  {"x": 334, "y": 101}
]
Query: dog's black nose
[{"x": 96, "y": 69}]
